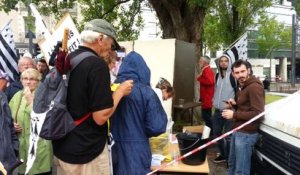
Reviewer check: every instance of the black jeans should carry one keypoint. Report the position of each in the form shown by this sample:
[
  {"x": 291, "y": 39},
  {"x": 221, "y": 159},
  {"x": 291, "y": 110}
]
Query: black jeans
[{"x": 206, "y": 115}]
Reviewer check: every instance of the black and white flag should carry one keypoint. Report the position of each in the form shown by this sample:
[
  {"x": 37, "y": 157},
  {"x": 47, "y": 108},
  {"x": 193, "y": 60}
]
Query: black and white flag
[
  {"x": 238, "y": 50},
  {"x": 8, "y": 55}
]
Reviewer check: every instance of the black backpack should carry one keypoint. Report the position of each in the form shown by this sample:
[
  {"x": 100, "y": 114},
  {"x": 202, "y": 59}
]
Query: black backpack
[{"x": 50, "y": 99}]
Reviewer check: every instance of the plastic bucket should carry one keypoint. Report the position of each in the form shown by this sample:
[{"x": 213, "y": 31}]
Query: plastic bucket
[{"x": 188, "y": 142}]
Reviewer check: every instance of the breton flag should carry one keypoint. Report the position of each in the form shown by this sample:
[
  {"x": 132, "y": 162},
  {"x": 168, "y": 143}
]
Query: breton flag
[
  {"x": 40, "y": 25},
  {"x": 8, "y": 54},
  {"x": 238, "y": 50}
]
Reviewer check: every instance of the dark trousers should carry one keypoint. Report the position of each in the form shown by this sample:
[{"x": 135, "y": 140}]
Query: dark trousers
[
  {"x": 206, "y": 115},
  {"x": 220, "y": 126}
]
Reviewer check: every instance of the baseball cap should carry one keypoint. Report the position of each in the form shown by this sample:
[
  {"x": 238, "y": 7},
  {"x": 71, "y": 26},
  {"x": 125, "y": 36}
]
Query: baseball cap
[{"x": 102, "y": 26}]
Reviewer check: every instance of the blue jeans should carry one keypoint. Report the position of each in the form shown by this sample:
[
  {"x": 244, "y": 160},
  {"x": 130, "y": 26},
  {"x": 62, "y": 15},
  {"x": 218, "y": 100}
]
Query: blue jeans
[
  {"x": 241, "y": 148},
  {"x": 220, "y": 126}
]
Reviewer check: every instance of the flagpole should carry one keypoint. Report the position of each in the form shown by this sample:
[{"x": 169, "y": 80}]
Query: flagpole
[
  {"x": 30, "y": 36},
  {"x": 234, "y": 42}
]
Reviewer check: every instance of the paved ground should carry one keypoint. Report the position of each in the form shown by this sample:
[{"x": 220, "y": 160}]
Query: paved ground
[{"x": 215, "y": 169}]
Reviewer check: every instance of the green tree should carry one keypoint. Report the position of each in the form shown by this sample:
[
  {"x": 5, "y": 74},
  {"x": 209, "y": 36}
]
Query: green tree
[
  {"x": 181, "y": 19},
  {"x": 227, "y": 20},
  {"x": 296, "y": 5},
  {"x": 125, "y": 15},
  {"x": 272, "y": 36}
]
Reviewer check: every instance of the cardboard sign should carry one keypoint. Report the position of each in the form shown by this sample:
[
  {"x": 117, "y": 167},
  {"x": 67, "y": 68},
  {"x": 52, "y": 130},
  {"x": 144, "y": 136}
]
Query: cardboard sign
[{"x": 48, "y": 44}]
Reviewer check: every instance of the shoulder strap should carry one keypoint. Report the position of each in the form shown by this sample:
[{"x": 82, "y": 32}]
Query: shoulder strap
[
  {"x": 80, "y": 57},
  {"x": 233, "y": 83},
  {"x": 74, "y": 62},
  {"x": 82, "y": 119},
  {"x": 216, "y": 79}
]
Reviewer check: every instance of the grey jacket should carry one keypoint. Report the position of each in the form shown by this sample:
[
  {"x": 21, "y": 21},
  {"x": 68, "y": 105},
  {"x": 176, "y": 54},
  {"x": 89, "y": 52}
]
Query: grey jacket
[{"x": 223, "y": 87}]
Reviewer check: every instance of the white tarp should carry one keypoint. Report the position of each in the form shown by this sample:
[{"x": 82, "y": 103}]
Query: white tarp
[{"x": 284, "y": 115}]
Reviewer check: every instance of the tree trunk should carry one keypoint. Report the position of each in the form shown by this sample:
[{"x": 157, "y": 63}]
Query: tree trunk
[{"x": 180, "y": 20}]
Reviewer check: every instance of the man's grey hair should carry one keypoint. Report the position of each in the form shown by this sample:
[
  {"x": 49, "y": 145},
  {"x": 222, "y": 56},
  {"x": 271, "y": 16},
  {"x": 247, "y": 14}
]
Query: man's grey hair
[
  {"x": 21, "y": 60},
  {"x": 206, "y": 58},
  {"x": 89, "y": 36}
]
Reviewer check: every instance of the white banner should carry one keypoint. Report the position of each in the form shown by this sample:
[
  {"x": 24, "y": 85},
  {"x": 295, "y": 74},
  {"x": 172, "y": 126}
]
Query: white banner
[
  {"x": 40, "y": 26},
  {"x": 47, "y": 45}
]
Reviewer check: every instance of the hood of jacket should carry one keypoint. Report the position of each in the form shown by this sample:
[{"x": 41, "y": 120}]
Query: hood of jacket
[
  {"x": 229, "y": 63},
  {"x": 135, "y": 68}
]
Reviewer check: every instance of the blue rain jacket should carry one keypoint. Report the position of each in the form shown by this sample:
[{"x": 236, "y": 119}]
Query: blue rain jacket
[
  {"x": 9, "y": 143},
  {"x": 138, "y": 117}
]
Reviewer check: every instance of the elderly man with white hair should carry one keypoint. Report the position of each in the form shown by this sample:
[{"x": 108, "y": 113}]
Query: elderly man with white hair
[
  {"x": 84, "y": 150},
  {"x": 24, "y": 63},
  {"x": 207, "y": 87}
]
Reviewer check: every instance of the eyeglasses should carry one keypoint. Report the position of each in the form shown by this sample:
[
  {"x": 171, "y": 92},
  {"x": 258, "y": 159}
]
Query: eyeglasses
[
  {"x": 26, "y": 65},
  {"x": 29, "y": 79},
  {"x": 113, "y": 45}
]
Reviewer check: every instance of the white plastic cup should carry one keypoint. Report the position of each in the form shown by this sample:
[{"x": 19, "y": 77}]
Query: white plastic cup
[{"x": 181, "y": 102}]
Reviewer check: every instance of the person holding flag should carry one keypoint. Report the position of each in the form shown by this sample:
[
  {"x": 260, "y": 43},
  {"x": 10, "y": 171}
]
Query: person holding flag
[{"x": 84, "y": 150}]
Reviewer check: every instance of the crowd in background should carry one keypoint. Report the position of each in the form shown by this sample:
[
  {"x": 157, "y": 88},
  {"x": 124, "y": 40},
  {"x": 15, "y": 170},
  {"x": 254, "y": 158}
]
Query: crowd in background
[{"x": 134, "y": 110}]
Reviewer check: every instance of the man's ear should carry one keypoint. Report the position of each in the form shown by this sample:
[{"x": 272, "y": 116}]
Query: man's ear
[
  {"x": 100, "y": 38},
  {"x": 249, "y": 71}
]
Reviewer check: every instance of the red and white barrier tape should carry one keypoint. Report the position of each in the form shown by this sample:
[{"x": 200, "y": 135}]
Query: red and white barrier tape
[{"x": 208, "y": 143}]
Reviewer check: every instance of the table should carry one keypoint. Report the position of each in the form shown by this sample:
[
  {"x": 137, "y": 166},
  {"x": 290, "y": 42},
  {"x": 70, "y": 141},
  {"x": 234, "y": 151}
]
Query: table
[
  {"x": 183, "y": 168},
  {"x": 186, "y": 107}
]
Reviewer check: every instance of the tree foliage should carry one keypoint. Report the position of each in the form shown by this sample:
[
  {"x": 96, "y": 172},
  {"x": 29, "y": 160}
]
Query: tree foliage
[
  {"x": 125, "y": 15},
  {"x": 182, "y": 19},
  {"x": 227, "y": 20},
  {"x": 272, "y": 36},
  {"x": 296, "y": 5}
]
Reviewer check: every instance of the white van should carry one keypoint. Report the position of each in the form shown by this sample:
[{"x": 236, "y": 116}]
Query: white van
[{"x": 278, "y": 149}]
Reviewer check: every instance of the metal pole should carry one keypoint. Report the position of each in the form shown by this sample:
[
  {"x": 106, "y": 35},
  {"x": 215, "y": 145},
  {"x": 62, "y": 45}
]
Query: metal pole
[
  {"x": 30, "y": 34},
  {"x": 294, "y": 35}
]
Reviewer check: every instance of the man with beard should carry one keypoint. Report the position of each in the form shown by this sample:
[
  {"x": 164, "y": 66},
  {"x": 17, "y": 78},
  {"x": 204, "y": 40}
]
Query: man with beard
[
  {"x": 224, "y": 89},
  {"x": 250, "y": 101}
]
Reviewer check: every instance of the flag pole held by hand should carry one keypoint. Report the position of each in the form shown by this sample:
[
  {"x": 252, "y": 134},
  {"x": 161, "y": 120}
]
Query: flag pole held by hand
[{"x": 65, "y": 40}]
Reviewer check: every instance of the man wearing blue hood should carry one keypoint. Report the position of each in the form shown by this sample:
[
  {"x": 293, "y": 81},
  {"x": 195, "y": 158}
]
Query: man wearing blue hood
[
  {"x": 138, "y": 117},
  {"x": 9, "y": 143}
]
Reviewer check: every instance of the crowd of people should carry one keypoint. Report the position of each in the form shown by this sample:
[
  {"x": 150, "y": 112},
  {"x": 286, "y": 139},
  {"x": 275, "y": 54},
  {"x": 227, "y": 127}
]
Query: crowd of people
[
  {"x": 132, "y": 113},
  {"x": 86, "y": 149},
  {"x": 237, "y": 96}
]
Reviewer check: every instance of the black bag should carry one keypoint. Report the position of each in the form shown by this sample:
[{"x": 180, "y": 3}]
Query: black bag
[{"x": 50, "y": 100}]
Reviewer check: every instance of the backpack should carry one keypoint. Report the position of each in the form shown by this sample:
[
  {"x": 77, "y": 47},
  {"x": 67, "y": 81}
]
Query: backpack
[
  {"x": 50, "y": 99},
  {"x": 233, "y": 82}
]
